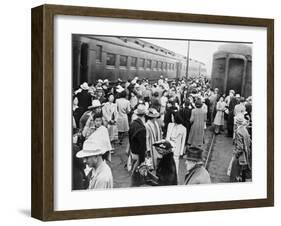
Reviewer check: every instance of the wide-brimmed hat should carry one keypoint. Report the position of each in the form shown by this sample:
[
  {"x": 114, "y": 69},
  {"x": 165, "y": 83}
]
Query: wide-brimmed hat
[
  {"x": 84, "y": 86},
  {"x": 100, "y": 81},
  {"x": 194, "y": 154},
  {"x": 92, "y": 147},
  {"x": 141, "y": 110},
  {"x": 105, "y": 81},
  {"x": 95, "y": 104},
  {"x": 152, "y": 113},
  {"x": 163, "y": 147}
]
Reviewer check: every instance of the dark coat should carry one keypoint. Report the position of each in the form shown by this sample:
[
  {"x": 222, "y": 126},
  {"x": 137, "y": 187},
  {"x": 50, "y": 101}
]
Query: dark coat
[
  {"x": 166, "y": 170},
  {"x": 79, "y": 178},
  {"x": 84, "y": 99},
  {"x": 185, "y": 114},
  {"x": 137, "y": 139}
]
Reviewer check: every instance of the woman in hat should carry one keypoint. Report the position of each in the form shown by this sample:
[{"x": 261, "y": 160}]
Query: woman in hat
[
  {"x": 166, "y": 173},
  {"x": 176, "y": 133},
  {"x": 198, "y": 118},
  {"x": 196, "y": 172},
  {"x": 123, "y": 109},
  {"x": 219, "y": 119},
  {"x": 109, "y": 111},
  {"x": 153, "y": 134}
]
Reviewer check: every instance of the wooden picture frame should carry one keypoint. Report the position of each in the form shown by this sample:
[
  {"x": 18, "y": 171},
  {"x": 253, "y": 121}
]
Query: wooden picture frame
[{"x": 43, "y": 111}]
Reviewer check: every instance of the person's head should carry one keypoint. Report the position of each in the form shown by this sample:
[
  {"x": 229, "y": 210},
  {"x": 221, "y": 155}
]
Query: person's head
[
  {"x": 97, "y": 120},
  {"x": 156, "y": 94},
  {"x": 193, "y": 156},
  {"x": 92, "y": 152},
  {"x": 221, "y": 99},
  {"x": 216, "y": 91},
  {"x": 95, "y": 107},
  {"x": 164, "y": 147},
  {"x": 152, "y": 114},
  {"x": 176, "y": 118},
  {"x": 140, "y": 110},
  {"x": 122, "y": 94},
  {"x": 110, "y": 98},
  {"x": 231, "y": 93},
  {"x": 242, "y": 100},
  {"x": 198, "y": 103}
]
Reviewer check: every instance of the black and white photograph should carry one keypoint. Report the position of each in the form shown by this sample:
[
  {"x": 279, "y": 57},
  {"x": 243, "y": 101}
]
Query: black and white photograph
[{"x": 151, "y": 112}]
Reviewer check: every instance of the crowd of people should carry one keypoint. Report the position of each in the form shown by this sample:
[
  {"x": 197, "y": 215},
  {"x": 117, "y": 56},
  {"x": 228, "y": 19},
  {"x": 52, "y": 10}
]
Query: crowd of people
[{"x": 164, "y": 121}]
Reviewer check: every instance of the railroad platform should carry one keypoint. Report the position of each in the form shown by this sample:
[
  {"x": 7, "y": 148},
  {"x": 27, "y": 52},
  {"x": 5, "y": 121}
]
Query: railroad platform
[{"x": 218, "y": 161}]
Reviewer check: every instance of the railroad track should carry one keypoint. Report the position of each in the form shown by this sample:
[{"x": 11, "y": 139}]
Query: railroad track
[{"x": 209, "y": 151}]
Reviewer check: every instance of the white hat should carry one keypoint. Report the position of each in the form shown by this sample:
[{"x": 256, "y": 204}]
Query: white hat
[
  {"x": 92, "y": 147},
  {"x": 95, "y": 104},
  {"x": 106, "y": 80},
  {"x": 84, "y": 86},
  {"x": 119, "y": 89},
  {"x": 141, "y": 110},
  {"x": 100, "y": 81}
]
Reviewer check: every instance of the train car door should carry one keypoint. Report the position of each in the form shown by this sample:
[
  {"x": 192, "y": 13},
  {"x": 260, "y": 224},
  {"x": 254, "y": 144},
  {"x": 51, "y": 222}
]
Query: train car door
[
  {"x": 178, "y": 68},
  {"x": 84, "y": 63},
  {"x": 235, "y": 75}
]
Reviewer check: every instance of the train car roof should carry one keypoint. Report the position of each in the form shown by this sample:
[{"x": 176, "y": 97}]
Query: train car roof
[{"x": 141, "y": 45}]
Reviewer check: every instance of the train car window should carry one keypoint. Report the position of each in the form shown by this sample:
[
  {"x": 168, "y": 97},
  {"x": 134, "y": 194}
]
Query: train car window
[
  {"x": 99, "y": 53},
  {"x": 123, "y": 61},
  {"x": 110, "y": 59},
  {"x": 141, "y": 60},
  {"x": 173, "y": 67},
  {"x": 148, "y": 64},
  {"x": 161, "y": 65},
  {"x": 164, "y": 66},
  {"x": 133, "y": 62}
]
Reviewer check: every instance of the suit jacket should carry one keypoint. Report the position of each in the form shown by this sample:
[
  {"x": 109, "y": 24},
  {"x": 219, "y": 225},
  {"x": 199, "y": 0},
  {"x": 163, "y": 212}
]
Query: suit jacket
[{"x": 137, "y": 138}]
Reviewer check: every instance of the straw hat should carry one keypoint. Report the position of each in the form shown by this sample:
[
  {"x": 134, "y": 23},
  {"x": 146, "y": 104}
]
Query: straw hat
[
  {"x": 84, "y": 86},
  {"x": 163, "y": 147},
  {"x": 152, "y": 113},
  {"x": 95, "y": 104},
  {"x": 92, "y": 147},
  {"x": 141, "y": 110}
]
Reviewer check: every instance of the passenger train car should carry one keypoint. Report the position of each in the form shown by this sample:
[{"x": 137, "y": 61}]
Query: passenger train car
[
  {"x": 232, "y": 69},
  {"x": 113, "y": 58}
]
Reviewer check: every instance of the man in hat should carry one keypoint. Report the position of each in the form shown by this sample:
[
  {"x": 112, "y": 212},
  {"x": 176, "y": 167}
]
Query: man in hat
[
  {"x": 137, "y": 140},
  {"x": 92, "y": 154},
  {"x": 84, "y": 97},
  {"x": 196, "y": 172},
  {"x": 86, "y": 121},
  {"x": 153, "y": 134},
  {"x": 241, "y": 163}
]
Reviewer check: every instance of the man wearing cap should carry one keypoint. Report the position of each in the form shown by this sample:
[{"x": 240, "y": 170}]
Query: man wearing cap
[
  {"x": 196, "y": 172},
  {"x": 92, "y": 154},
  {"x": 137, "y": 141}
]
